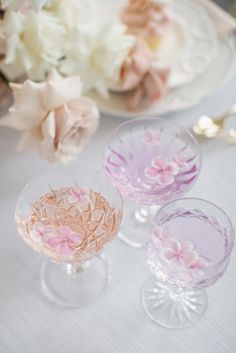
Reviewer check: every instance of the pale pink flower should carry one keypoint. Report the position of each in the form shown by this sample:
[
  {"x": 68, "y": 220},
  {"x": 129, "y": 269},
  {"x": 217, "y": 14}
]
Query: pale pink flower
[
  {"x": 136, "y": 66},
  {"x": 199, "y": 264},
  {"x": 181, "y": 254},
  {"x": 65, "y": 241},
  {"x": 152, "y": 88},
  {"x": 79, "y": 195},
  {"x": 181, "y": 161},
  {"x": 147, "y": 19},
  {"x": 162, "y": 171},
  {"x": 145, "y": 82},
  {"x": 151, "y": 138},
  {"x": 40, "y": 232},
  {"x": 53, "y": 116},
  {"x": 158, "y": 236}
]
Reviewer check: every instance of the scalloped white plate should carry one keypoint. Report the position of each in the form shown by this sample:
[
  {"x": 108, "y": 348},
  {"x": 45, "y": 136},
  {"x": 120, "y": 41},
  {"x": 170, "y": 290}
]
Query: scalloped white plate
[
  {"x": 218, "y": 72},
  {"x": 197, "y": 73}
]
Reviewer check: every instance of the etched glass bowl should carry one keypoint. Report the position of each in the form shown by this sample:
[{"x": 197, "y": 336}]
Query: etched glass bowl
[
  {"x": 69, "y": 214},
  {"x": 152, "y": 162},
  {"x": 190, "y": 247}
]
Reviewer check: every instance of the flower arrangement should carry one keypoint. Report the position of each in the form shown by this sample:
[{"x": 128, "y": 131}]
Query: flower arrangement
[{"x": 41, "y": 37}]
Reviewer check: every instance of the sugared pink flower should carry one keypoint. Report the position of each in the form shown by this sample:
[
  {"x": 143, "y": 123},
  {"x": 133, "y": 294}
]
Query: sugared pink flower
[
  {"x": 40, "y": 232},
  {"x": 151, "y": 138},
  {"x": 181, "y": 254},
  {"x": 199, "y": 264},
  {"x": 141, "y": 78},
  {"x": 158, "y": 236},
  {"x": 79, "y": 195},
  {"x": 162, "y": 171},
  {"x": 181, "y": 161},
  {"x": 65, "y": 241}
]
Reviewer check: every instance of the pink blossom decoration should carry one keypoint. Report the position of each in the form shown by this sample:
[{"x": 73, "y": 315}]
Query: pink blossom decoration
[
  {"x": 162, "y": 171},
  {"x": 151, "y": 138},
  {"x": 143, "y": 81},
  {"x": 199, "y": 264},
  {"x": 79, "y": 195},
  {"x": 40, "y": 232},
  {"x": 158, "y": 236},
  {"x": 181, "y": 254},
  {"x": 181, "y": 161},
  {"x": 65, "y": 241}
]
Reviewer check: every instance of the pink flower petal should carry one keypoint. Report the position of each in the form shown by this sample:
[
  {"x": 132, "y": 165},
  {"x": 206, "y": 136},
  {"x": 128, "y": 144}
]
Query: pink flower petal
[
  {"x": 64, "y": 232},
  {"x": 173, "y": 168},
  {"x": 199, "y": 264},
  {"x": 74, "y": 238},
  {"x": 187, "y": 246},
  {"x": 39, "y": 228},
  {"x": 176, "y": 246},
  {"x": 151, "y": 172},
  {"x": 179, "y": 261},
  {"x": 189, "y": 258},
  {"x": 159, "y": 233},
  {"x": 151, "y": 138},
  {"x": 72, "y": 199},
  {"x": 165, "y": 179},
  {"x": 160, "y": 162},
  {"x": 66, "y": 250},
  {"x": 157, "y": 242},
  {"x": 181, "y": 161},
  {"x": 169, "y": 254},
  {"x": 54, "y": 242}
]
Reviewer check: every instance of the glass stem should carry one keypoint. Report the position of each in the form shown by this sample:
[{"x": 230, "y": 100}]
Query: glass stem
[
  {"x": 74, "y": 269},
  {"x": 145, "y": 213}
]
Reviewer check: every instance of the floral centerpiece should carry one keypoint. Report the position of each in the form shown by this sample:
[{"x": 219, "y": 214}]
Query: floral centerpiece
[{"x": 104, "y": 54}]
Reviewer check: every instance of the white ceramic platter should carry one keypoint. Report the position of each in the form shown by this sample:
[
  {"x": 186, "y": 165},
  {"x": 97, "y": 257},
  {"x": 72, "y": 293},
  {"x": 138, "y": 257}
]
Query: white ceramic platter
[
  {"x": 197, "y": 73},
  {"x": 183, "y": 97}
]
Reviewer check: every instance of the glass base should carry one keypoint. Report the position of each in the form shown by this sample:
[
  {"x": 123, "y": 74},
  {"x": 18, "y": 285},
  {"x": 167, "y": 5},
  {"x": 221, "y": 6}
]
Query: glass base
[
  {"x": 74, "y": 285},
  {"x": 172, "y": 307},
  {"x": 136, "y": 226}
]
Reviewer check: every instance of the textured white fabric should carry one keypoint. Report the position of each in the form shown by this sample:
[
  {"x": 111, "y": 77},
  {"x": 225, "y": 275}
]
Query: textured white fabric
[{"x": 116, "y": 322}]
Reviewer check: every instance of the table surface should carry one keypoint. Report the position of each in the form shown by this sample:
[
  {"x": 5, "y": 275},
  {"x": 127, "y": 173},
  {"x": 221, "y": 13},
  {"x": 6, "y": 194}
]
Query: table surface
[{"x": 116, "y": 322}]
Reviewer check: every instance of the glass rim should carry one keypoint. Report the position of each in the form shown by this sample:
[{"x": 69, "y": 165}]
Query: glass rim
[
  {"x": 232, "y": 231},
  {"x": 63, "y": 167},
  {"x": 170, "y": 123},
  {"x": 179, "y": 126}
]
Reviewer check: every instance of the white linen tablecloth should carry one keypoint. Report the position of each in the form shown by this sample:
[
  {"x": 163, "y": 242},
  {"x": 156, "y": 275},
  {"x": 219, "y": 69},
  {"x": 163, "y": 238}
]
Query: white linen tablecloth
[{"x": 116, "y": 322}]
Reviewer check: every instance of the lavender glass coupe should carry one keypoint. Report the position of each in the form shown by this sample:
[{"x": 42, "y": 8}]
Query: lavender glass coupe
[
  {"x": 190, "y": 247},
  {"x": 152, "y": 162}
]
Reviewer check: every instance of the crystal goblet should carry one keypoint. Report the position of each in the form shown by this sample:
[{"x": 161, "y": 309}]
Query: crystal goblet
[
  {"x": 152, "y": 162},
  {"x": 68, "y": 214},
  {"x": 190, "y": 247}
]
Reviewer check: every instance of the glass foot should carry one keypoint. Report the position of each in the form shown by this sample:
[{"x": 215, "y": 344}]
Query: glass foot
[
  {"x": 136, "y": 226},
  {"x": 74, "y": 285},
  {"x": 172, "y": 307}
]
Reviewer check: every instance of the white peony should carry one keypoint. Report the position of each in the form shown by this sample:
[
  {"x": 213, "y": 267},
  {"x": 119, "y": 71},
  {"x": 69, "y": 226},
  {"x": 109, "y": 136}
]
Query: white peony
[
  {"x": 35, "y": 42},
  {"x": 19, "y": 4},
  {"x": 98, "y": 54}
]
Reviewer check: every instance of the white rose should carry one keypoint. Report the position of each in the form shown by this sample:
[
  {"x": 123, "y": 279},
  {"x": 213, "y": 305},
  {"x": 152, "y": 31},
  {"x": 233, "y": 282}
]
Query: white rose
[
  {"x": 19, "y": 4},
  {"x": 98, "y": 54},
  {"x": 32, "y": 43}
]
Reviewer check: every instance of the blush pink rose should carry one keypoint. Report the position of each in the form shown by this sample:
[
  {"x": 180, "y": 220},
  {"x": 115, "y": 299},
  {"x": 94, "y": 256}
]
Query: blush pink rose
[
  {"x": 53, "y": 116},
  {"x": 145, "y": 82}
]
